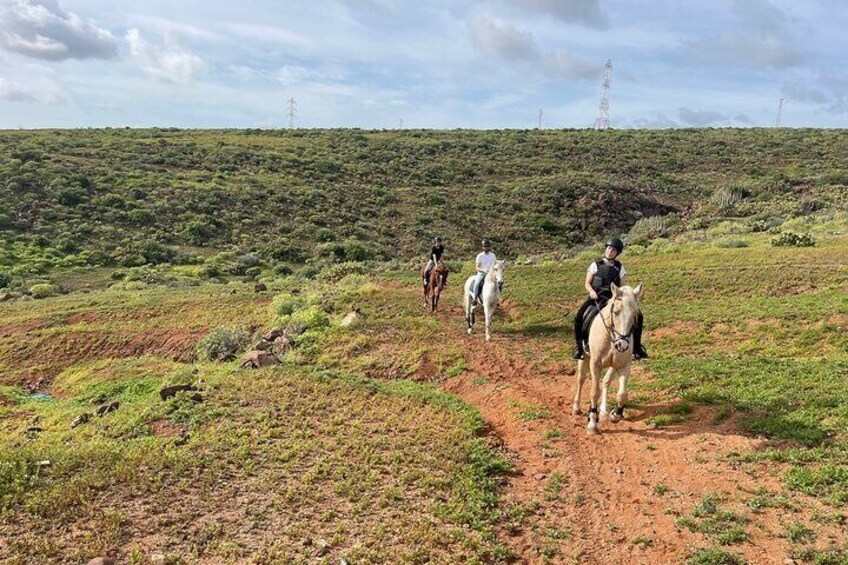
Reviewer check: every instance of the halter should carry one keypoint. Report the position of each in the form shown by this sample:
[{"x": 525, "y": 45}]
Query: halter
[{"x": 615, "y": 337}]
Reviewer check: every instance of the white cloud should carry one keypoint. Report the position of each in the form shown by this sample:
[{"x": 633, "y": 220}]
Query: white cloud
[
  {"x": 41, "y": 90},
  {"x": 565, "y": 65},
  {"x": 268, "y": 34},
  {"x": 168, "y": 63},
  {"x": 704, "y": 118},
  {"x": 40, "y": 29},
  {"x": 746, "y": 50},
  {"x": 586, "y": 12},
  {"x": 501, "y": 40}
]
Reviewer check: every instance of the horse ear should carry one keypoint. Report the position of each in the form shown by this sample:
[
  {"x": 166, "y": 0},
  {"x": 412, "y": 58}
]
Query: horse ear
[
  {"x": 638, "y": 291},
  {"x": 615, "y": 290}
]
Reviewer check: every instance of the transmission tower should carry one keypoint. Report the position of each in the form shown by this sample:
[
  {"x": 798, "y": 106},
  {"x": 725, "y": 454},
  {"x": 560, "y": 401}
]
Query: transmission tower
[
  {"x": 292, "y": 112},
  {"x": 602, "y": 121},
  {"x": 777, "y": 122},
  {"x": 540, "y": 118}
]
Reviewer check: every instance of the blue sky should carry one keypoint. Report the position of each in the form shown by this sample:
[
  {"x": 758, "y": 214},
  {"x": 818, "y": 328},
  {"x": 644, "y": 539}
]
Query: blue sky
[{"x": 430, "y": 63}]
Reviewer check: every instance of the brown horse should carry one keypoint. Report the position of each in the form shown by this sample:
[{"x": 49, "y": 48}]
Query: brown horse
[{"x": 434, "y": 284}]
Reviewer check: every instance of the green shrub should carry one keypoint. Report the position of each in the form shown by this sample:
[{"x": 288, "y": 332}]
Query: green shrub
[
  {"x": 222, "y": 344},
  {"x": 285, "y": 304},
  {"x": 793, "y": 239},
  {"x": 340, "y": 271},
  {"x": 647, "y": 229},
  {"x": 307, "y": 319},
  {"x": 5, "y": 280},
  {"x": 43, "y": 290}
]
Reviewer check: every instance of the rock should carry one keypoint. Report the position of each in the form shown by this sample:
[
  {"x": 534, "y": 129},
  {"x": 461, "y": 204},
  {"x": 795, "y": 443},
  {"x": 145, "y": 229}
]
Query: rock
[
  {"x": 344, "y": 561},
  {"x": 4, "y": 296},
  {"x": 273, "y": 334},
  {"x": 43, "y": 464},
  {"x": 80, "y": 420},
  {"x": 167, "y": 392},
  {"x": 32, "y": 430},
  {"x": 323, "y": 547},
  {"x": 281, "y": 345},
  {"x": 351, "y": 317},
  {"x": 539, "y": 476},
  {"x": 328, "y": 308},
  {"x": 157, "y": 559},
  {"x": 102, "y": 561},
  {"x": 106, "y": 408},
  {"x": 262, "y": 345},
  {"x": 99, "y": 399},
  {"x": 259, "y": 287},
  {"x": 258, "y": 359}
]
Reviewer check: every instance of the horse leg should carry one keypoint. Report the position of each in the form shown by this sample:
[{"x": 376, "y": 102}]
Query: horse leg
[
  {"x": 581, "y": 378},
  {"x": 487, "y": 311},
  {"x": 469, "y": 313},
  {"x": 621, "y": 397},
  {"x": 595, "y": 368},
  {"x": 604, "y": 412}
]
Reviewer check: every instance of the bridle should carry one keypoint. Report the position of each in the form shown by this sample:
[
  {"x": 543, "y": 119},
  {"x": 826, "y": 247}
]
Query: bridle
[{"x": 616, "y": 337}]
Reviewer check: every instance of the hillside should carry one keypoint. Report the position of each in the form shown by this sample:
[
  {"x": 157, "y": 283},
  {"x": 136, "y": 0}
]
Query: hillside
[
  {"x": 135, "y": 261},
  {"x": 124, "y": 198}
]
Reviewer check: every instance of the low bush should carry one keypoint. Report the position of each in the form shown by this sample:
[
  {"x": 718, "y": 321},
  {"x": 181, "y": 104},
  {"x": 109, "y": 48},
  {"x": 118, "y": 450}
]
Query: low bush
[
  {"x": 222, "y": 344},
  {"x": 793, "y": 239}
]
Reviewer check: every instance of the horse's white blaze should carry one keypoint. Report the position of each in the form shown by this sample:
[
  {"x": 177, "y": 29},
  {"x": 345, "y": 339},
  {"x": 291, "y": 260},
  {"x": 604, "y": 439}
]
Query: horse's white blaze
[
  {"x": 491, "y": 297},
  {"x": 609, "y": 352}
]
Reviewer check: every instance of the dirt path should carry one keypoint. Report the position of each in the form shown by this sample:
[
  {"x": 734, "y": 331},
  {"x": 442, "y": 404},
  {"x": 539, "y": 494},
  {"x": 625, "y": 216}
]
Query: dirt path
[{"x": 603, "y": 499}]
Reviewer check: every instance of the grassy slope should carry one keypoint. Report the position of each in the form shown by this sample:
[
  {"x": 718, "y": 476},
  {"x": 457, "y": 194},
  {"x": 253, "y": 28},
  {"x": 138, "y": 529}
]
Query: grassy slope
[{"x": 117, "y": 196}]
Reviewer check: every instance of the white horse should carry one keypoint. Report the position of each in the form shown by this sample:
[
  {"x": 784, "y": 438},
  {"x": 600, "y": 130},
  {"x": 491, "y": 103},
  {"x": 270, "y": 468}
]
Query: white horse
[
  {"x": 610, "y": 346},
  {"x": 491, "y": 296}
]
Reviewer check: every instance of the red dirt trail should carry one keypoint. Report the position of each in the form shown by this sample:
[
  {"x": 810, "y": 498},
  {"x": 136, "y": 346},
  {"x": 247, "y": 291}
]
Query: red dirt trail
[{"x": 607, "y": 500}]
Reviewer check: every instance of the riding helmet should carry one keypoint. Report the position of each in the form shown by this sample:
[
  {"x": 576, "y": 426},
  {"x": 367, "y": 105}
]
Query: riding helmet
[
  {"x": 487, "y": 243},
  {"x": 616, "y": 243},
  {"x": 437, "y": 239}
]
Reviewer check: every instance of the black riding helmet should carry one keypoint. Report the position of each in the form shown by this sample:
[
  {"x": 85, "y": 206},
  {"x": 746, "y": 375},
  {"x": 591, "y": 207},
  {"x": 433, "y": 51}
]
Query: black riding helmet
[
  {"x": 487, "y": 244},
  {"x": 437, "y": 240},
  {"x": 616, "y": 243}
]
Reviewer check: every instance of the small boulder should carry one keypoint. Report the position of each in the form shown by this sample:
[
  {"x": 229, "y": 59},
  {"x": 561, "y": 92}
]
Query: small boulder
[
  {"x": 273, "y": 334},
  {"x": 323, "y": 547},
  {"x": 102, "y": 561},
  {"x": 351, "y": 317},
  {"x": 281, "y": 345},
  {"x": 167, "y": 392},
  {"x": 262, "y": 345},
  {"x": 157, "y": 559},
  {"x": 259, "y": 287},
  {"x": 4, "y": 296},
  {"x": 106, "y": 408},
  {"x": 80, "y": 420},
  {"x": 258, "y": 359}
]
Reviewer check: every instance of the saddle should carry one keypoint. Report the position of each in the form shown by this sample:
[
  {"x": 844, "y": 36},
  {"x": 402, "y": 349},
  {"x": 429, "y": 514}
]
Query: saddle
[{"x": 589, "y": 317}]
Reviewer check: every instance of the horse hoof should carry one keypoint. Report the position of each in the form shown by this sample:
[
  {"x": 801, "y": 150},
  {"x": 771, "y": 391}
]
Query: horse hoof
[
  {"x": 604, "y": 417},
  {"x": 575, "y": 411},
  {"x": 615, "y": 418},
  {"x": 488, "y": 338},
  {"x": 592, "y": 431}
]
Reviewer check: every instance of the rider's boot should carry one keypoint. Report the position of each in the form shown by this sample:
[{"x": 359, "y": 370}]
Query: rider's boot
[
  {"x": 578, "y": 352},
  {"x": 640, "y": 353}
]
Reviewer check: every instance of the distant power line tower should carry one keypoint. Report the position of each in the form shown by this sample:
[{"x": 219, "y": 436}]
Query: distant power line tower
[
  {"x": 602, "y": 121},
  {"x": 777, "y": 122},
  {"x": 292, "y": 111}
]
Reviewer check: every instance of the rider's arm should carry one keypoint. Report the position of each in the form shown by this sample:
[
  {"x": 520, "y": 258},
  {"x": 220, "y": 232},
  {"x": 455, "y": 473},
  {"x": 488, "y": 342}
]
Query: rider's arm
[
  {"x": 477, "y": 266},
  {"x": 588, "y": 286}
]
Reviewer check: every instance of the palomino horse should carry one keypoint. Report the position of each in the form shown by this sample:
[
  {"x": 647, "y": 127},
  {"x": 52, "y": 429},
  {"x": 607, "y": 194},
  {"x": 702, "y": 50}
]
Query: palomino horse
[
  {"x": 491, "y": 296},
  {"x": 434, "y": 284},
  {"x": 610, "y": 346}
]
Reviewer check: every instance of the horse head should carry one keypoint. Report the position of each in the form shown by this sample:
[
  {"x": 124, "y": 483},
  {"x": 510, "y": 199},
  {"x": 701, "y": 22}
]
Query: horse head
[
  {"x": 624, "y": 312},
  {"x": 498, "y": 271}
]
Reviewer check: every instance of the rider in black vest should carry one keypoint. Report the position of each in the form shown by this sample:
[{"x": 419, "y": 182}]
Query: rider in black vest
[{"x": 600, "y": 277}]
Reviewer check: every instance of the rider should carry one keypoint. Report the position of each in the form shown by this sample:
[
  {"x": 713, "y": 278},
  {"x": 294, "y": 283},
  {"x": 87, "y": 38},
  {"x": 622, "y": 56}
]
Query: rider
[
  {"x": 600, "y": 275},
  {"x": 435, "y": 256},
  {"x": 483, "y": 263}
]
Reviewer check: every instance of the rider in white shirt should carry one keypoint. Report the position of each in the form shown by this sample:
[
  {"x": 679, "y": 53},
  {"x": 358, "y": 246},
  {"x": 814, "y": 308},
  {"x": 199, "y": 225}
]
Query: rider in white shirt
[{"x": 483, "y": 263}]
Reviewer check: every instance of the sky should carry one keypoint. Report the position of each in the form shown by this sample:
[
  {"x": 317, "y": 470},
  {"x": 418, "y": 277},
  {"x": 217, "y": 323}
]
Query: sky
[{"x": 422, "y": 64}]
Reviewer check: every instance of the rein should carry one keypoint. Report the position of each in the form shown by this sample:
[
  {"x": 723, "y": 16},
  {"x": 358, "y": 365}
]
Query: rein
[{"x": 613, "y": 333}]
